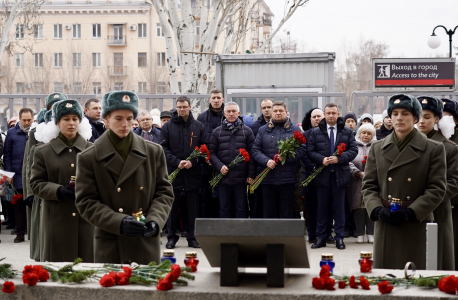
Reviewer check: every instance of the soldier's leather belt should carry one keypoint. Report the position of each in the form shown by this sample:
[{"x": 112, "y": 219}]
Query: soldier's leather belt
[{"x": 404, "y": 203}]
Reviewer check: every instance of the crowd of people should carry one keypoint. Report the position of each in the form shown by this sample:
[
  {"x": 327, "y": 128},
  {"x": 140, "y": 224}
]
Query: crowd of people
[{"x": 122, "y": 158}]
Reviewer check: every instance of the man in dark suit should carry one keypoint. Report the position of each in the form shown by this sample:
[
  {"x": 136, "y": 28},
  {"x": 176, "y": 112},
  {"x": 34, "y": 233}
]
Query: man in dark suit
[{"x": 332, "y": 181}]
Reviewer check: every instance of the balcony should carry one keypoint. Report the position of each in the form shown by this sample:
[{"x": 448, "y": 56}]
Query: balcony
[
  {"x": 117, "y": 71},
  {"x": 116, "y": 40},
  {"x": 267, "y": 21}
]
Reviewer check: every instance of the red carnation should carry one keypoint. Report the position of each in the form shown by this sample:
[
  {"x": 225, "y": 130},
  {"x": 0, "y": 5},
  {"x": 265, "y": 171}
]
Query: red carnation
[
  {"x": 299, "y": 137},
  {"x": 122, "y": 279},
  {"x": 30, "y": 279},
  {"x": 164, "y": 285},
  {"x": 448, "y": 284},
  {"x": 128, "y": 271},
  {"x": 325, "y": 271},
  {"x": 107, "y": 280},
  {"x": 353, "y": 283},
  {"x": 28, "y": 269},
  {"x": 342, "y": 284},
  {"x": 16, "y": 198},
  {"x": 176, "y": 272},
  {"x": 364, "y": 283},
  {"x": 43, "y": 274},
  {"x": 245, "y": 154},
  {"x": 329, "y": 283},
  {"x": 197, "y": 148},
  {"x": 384, "y": 287},
  {"x": 318, "y": 283},
  {"x": 365, "y": 160},
  {"x": 8, "y": 287},
  {"x": 205, "y": 152}
]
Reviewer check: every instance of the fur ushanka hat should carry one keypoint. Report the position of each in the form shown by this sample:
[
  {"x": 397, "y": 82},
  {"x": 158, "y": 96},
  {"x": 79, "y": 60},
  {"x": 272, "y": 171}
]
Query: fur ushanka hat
[
  {"x": 66, "y": 107},
  {"x": 41, "y": 115},
  {"x": 451, "y": 106},
  {"x": 53, "y": 98},
  {"x": 119, "y": 100},
  {"x": 432, "y": 104},
  {"x": 404, "y": 101}
]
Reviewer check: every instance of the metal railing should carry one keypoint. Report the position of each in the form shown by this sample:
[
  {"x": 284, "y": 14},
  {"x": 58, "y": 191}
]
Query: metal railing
[
  {"x": 117, "y": 40},
  {"x": 117, "y": 70}
]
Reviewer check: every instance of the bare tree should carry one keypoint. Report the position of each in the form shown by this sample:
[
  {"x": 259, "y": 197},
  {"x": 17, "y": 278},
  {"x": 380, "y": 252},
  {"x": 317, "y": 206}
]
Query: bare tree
[
  {"x": 25, "y": 16},
  {"x": 230, "y": 20}
]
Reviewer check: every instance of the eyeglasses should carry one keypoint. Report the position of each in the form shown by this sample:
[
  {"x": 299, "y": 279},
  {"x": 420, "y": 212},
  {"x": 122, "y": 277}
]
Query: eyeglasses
[
  {"x": 144, "y": 120},
  {"x": 182, "y": 107}
]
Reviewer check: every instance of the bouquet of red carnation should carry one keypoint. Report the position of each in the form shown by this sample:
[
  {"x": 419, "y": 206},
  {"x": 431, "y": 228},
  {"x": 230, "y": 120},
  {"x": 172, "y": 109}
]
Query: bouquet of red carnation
[
  {"x": 286, "y": 148},
  {"x": 341, "y": 148},
  {"x": 16, "y": 195},
  {"x": 198, "y": 152},
  {"x": 242, "y": 156},
  {"x": 364, "y": 160}
]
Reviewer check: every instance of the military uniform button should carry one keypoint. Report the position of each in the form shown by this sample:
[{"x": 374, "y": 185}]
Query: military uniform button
[
  {"x": 72, "y": 165},
  {"x": 73, "y": 214},
  {"x": 70, "y": 150},
  {"x": 389, "y": 178},
  {"x": 409, "y": 179},
  {"x": 121, "y": 210},
  {"x": 389, "y": 197},
  {"x": 118, "y": 189},
  {"x": 408, "y": 197},
  {"x": 141, "y": 188}
]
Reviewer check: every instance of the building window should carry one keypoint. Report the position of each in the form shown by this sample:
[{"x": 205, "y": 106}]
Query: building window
[
  {"x": 77, "y": 88},
  {"x": 142, "y": 59},
  {"x": 19, "y": 31},
  {"x": 142, "y": 30},
  {"x": 96, "y": 31},
  {"x": 76, "y": 58},
  {"x": 38, "y": 87},
  {"x": 96, "y": 60},
  {"x": 57, "y": 60},
  {"x": 159, "y": 32},
  {"x": 76, "y": 31},
  {"x": 20, "y": 87},
  {"x": 142, "y": 88},
  {"x": 59, "y": 87},
  {"x": 57, "y": 31},
  {"x": 38, "y": 31},
  {"x": 19, "y": 60},
  {"x": 160, "y": 59},
  {"x": 38, "y": 59},
  {"x": 97, "y": 88},
  {"x": 160, "y": 89},
  {"x": 118, "y": 86},
  {"x": 178, "y": 60}
]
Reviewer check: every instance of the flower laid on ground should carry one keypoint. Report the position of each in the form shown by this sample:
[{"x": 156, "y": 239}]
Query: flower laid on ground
[
  {"x": 8, "y": 287},
  {"x": 119, "y": 278},
  {"x": 6, "y": 272},
  {"x": 448, "y": 284},
  {"x": 166, "y": 283},
  {"x": 242, "y": 156},
  {"x": 384, "y": 287},
  {"x": 198, "y": 152},
  {"x": 340, "y": 149},
  {"x": 364, "y": 160},
  {"x": 31, "y": 274},
  {"x": 324, "y": 281},
  {"x": 286, "y": 148}
]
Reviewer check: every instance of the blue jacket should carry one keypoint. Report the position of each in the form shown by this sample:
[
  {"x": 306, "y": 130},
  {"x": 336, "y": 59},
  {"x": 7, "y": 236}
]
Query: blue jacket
[
  {"x": 98, "y": 128},
  {"x": 13, "y": 156},
  {"x": 224, "y": 147},
  {"x": 257, "y": 124},
  {"x": 265, "y": 148},
  {"x": 318, "y": 147},
  {"x": 156, "y": 134}
]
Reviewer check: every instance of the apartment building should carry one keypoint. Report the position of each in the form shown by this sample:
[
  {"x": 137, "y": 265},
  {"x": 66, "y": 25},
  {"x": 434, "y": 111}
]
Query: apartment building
[{"x": 92, "y": 47}]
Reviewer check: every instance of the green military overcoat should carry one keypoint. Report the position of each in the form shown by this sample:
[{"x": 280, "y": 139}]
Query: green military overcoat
[
  {"x": 65, "y": 235},
  {"x": 417, "y": 173},
  {"x": 454, "y": 202},
  {"x": 109, "y": 189},
  {"x": 443, "y": 213}
]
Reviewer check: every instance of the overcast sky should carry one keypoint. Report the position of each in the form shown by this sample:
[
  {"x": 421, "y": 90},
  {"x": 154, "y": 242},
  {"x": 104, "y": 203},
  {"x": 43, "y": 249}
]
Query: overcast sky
[{"x": 405, "y": 25}]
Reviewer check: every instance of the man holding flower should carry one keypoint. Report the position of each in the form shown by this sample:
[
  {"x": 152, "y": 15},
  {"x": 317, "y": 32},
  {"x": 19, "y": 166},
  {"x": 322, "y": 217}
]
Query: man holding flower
[
  {"x": 278, "y": 186},
  {"x": 332, "y": 181},
  {"x": 226, "y": 143}
]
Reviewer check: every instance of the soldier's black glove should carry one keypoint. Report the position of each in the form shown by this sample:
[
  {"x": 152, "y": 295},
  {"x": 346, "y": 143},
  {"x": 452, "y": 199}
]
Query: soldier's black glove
[
  {"x": 382, "y": 214},
  {"x": 29, "y": 201},
  {"x": 131, "y": 227},
  {"x": 403, "y": 215},
  {"x": 152, "y": 229},
  {"x": 66, "y": 193}
]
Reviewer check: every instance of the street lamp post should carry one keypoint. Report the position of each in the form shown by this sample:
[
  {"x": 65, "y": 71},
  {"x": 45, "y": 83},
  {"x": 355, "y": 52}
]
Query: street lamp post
[{"x": 434, "y": 41}]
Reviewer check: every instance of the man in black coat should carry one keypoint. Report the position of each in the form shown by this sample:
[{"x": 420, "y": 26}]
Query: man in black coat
[
  {"x": 387, "y": 127},
  {"x": 266, "y": 115},
  {"x": 93, "y": 112},
  {"x": 211, "y": 118},
  {"x": 180, "y": 136},
  {"x": 225, "y": 142},
  {"x": 332, "y": 181}
]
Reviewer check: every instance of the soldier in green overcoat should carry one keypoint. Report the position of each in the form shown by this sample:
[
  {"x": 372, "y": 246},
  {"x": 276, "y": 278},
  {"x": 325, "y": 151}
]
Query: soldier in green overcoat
[
  {"x": 406, "y": 165},
  {"x": 451, "y": 109},
  {"x": 65, "y": 235},
  {"x": 34, "y": 203},
  {"x": 121, "y": 174},
  {"x": 432, "y": 109}
]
